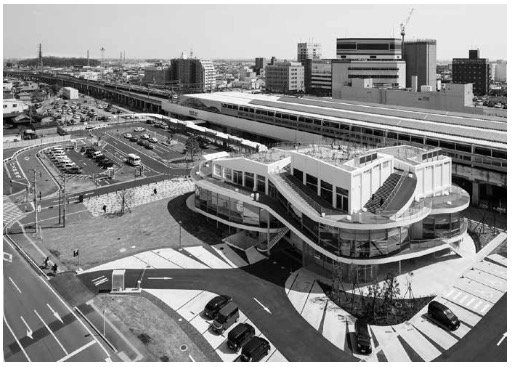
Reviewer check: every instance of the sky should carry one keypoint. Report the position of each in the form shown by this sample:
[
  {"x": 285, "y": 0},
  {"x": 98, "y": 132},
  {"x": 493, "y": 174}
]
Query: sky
[{"x": 237, "y": 31}]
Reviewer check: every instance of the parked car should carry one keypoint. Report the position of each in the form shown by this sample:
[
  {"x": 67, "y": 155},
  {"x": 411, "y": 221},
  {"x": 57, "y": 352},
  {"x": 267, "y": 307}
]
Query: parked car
[
  {"x": 148, "y": 145},
  {"x": 107, "y": 163},
  {"x": 363, "y": 339},
  {"x": 226, "y": 317},
  {"x": 213, "y": 307},
  {"x": 145, "y": 136},
  {"x": 442, "y": 315},
  {"x": 239, "y": 336},
  {"x": 255, "y": 350},
  {"x": 73, "y": 170},
  {"x": 139, "y": 129},
  {"x": 134, "y": 138},
  {"x": 153, "y": 140},
  {"x": 127, "y": 135},
  {"x": 140, "y": 141}
]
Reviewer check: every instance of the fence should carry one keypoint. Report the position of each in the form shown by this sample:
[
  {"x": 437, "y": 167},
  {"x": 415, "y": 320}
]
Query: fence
[{"x": 33, "y": 142}]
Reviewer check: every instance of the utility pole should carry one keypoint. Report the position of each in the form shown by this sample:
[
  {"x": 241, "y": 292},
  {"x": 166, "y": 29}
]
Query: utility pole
[
  {"x": 63, "y": 203},
  {"x": 35, "y": 196}
]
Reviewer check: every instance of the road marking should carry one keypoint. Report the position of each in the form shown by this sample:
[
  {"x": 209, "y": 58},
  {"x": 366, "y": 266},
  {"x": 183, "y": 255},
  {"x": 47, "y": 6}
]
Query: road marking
[
  {"x": 164, "y": 278},
  {"x": 463, "y": 298},
  {"x": 29, "y": 330},
  {"x": 192, "y": 359},
  {"x": 55, "y": 313},
  {"x": 470, "y": 302},
  {"x": 17, "y": 341},
  {"x": 98, "y": 278},
  {"x": 7, "y": 257},
  {"x": 476, "y": 305},
  {"x": 14, "y": 284},
  {"x": 502, "y": 338},
  {"x": 71, "y": 311},
  {"x": 457, "y": 296},
  {"x": 484, "y": 308},
  {"x": 264, "y": 307},
  {"x": 83, "y": 347},
  {"x": 51, "y": 332}
]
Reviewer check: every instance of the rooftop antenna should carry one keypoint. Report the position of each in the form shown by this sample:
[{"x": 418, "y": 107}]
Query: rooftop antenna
[
  {"x": 103, "y": 56},
  {"x": 40, "y": 55},
  {"x": 88, "y": 58},
  {"x": 191, "y": 54}
]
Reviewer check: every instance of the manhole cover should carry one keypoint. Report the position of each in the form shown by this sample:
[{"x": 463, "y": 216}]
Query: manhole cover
[
  {"x": 221, "y": 248},
  {"x": 183, "y": 347}
]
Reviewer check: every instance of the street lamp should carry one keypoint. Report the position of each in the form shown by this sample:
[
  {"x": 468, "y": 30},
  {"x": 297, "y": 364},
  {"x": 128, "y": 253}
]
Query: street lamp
[{"x": 180, "y": 232}]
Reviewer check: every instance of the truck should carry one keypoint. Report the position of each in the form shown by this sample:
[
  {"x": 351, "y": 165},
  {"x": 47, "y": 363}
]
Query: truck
[{"x": 70, "y": 93}]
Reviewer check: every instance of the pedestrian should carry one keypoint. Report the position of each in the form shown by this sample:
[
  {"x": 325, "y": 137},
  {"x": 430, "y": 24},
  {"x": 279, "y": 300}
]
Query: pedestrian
[
  {"x": 54, "y": 268},
  {"x": 46, "y": 262},
  {"x": 154, "y": 191},
  {"x": 381, "y": 201},
  {"x": 104, "y": 208}
]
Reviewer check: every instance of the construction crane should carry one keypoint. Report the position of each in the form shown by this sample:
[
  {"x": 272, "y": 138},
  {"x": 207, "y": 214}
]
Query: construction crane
[{"x": 402, "y": 29}]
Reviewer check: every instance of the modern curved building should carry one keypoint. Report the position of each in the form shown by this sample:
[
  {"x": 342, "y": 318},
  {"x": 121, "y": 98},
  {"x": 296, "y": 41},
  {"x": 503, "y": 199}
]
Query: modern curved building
[{"x": 365, "y": 209}]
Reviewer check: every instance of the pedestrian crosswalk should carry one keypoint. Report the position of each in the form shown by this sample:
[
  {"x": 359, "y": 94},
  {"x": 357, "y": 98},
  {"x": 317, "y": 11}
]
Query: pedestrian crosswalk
[
  {"x": 470, "y": 298},
  {"x": 11, "y": 211}
]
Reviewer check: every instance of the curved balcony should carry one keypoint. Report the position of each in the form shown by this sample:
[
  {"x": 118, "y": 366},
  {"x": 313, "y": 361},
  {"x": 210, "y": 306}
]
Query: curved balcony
[{"x": 453, "y": 200}]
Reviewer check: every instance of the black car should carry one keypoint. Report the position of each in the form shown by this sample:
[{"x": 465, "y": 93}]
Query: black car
[
  {"x": 240, "y": 335},
  {"x": 100, "y": 158},
  {"x": 255, "y": 350},
  {"x": 141, "y": 141},
  {"x": 363, "y": 339},
  {"x": 213, "y": 307},
  {"x": 107, "y": 163},
  {"x": 442, "y": 315},
  {"x": 73, "y": 170},
  {"x": 134, "y": 138}
]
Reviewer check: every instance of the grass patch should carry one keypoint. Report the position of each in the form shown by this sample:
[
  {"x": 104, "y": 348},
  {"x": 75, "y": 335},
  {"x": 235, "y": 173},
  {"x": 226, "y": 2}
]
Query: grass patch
[{"x": 161, "y": 335}]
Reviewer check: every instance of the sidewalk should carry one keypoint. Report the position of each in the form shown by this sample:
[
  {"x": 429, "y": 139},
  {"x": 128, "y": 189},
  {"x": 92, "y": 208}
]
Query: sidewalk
[{"x": 470, "y": 292}]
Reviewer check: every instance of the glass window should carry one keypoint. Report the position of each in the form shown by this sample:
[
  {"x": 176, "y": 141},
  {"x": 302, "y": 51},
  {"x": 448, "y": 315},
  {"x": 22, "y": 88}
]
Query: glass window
[
  {"x": 249, "y": 180},
  {"x": 216, "y": 169},
  {"x": 237, "y": 177},
  {"x": 261, "y": 183},
  {"x": 297, "y": 173},
  {"x": 326, "y": 191},
  {"x": 312, "y": 182},
  {"x": 341, "y": 198},
  {"x": 227, "y": 173}
]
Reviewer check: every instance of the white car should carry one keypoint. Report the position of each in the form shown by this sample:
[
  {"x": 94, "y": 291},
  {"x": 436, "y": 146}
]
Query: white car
[
  {"x": 139, "y": 129},
  {"x": 127, "y": 135},
  {"x": 145, "y": 136},
  {"x": 153, "y": 140}
]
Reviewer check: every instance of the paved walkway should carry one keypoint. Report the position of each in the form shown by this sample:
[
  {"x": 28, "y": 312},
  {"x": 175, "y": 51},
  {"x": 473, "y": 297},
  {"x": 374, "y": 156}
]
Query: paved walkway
[
  {"x": 10, "y": 210},
  {"x": 190, "y": 305},
  {"x": 470, "y": 295},
  {"x": 220, "y": 256}
]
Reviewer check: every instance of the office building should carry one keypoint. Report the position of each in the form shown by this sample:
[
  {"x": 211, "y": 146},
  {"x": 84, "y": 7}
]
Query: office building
[
  {"x": 500, "y": 71},
  {"x": 472, "y": 70},
  {"x": 157, "y": 75},
  {"x": 337, "y": 204},
  {"x": 284, "y": 77},
  {"x": 193, "y": 74},
  {"x": 318, "y": 77},
  {"x": 420, "y": 60},
  {"x": 259, "y": 65},
  {"x": 308, "y": 50},
  {"x": 378, "y": 59}
]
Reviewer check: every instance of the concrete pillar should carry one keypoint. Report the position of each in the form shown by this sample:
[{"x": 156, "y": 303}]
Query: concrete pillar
[
  {"x": 488, "y": 190},
  {"x": 476, "y": 193}
]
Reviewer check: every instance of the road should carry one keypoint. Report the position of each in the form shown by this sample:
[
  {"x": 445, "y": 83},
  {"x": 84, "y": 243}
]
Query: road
[
  {"x": 285, "y": 328},
  {"x": 38, "y": 326},
  {"x": 481, "y": 343}
]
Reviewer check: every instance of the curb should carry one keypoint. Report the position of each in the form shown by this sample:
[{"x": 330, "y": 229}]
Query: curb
[{"x": 95, "y": 329}]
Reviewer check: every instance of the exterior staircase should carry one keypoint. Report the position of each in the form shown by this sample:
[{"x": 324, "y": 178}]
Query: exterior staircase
[
  {"x": 282, "y": 232},
  {"x": 378, "y": 200}
]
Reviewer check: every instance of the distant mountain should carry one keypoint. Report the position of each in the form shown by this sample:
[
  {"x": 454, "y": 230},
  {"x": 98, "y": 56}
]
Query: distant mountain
[{"x": 59, "y": 62}]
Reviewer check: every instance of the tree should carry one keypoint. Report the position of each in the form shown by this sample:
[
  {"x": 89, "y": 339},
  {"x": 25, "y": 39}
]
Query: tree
[
  {"x": 192, "y": 146},
  {"x": 125, "y": 199},
  {"x": 391, "y": 290}
]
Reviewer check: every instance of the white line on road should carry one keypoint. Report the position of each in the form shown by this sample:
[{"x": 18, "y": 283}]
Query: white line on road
[
  {"x": 264, "y": 307},
  {"x": 17, "y": 341},
  {"x": 55, "y": 313},
  {"x": 83, "y": 347},
  {"x": 95, "y": 279},
  {"x": 51, "y": 332},
  {"x": 29, "y": 330},
  {"x": 100, "y": 282},
  {"x": 502, "y": 338},
  {"x": 192, "y": 359},
  {"x": 71, "y": 311},
  {"x": 14, "y": 284}
]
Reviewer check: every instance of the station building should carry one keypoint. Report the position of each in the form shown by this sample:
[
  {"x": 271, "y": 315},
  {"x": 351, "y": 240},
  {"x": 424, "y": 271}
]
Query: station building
[{"x": 370, "y": 210}]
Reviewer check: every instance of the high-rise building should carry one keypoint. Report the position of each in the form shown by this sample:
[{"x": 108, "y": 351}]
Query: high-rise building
[
  {"x": 472, "y": 70},
  {"x": 420, "y": 60},
  {"x": 308, "y": 50},
  {"x": 259, "y": 65},
  {"x": 378, "y": 59},
  {"x": 193, "y": 74},
  {"x": 284, "y": 77},
  {"x": 157, "y": 75},
  {"x": 500, "y": 71},
  {"x": 318, "y": 77}
]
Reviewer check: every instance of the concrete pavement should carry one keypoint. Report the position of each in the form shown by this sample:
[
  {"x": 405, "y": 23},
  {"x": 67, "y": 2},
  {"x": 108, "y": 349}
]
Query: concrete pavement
[{"x": 38, "y": 325}]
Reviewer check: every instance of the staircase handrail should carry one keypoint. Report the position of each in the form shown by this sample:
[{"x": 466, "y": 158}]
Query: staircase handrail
[{"x": 394, "y": 191}]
